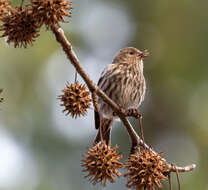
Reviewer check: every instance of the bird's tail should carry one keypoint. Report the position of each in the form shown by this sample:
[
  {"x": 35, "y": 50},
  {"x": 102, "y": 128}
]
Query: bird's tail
[{"x": 106, "y": 125}]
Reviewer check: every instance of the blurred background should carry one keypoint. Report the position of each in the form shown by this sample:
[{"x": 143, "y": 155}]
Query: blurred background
[{"x": 41, "y": 148}]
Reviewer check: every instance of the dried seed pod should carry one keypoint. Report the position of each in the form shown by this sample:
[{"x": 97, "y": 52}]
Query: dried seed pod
[
  {"x": 102, "y": 163},
  {"x": 76, "y": 99},
  {"x": 51, "y": 12},
  {"x": 4, "y": 6},
  {"x": 146, "y": 170},
  {"x": 20, "y": 27}
]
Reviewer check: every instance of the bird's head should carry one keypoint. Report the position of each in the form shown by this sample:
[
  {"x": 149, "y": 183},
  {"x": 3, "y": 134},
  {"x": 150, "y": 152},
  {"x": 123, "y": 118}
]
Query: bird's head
[{"x": 130, "y": 55}]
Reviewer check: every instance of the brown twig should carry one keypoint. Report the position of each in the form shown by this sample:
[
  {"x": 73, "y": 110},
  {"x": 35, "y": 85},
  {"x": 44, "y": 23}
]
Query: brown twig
[
  {"x": 169, "y": 182},
  {"x": 174, "y": 168},
  {"x": 21, "y": 4},
  {"x": 67, "y": 47},
  {"x": 177, "y": 175},
  {"x": 141, "y": 128},
  {"x": 178, "y": 180},
  {"x": 75, "y": 77},
  {"x": 136, "y": 140}
]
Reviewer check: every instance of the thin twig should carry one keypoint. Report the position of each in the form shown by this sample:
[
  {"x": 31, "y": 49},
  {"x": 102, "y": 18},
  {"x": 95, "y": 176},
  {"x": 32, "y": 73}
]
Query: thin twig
[
  {"x": 141, "y": 129},
  {"x": 21, "y": 4},
  {"x": 169, "y": 181},
  {"x": 177, "y": 175},
  {"x": 181, "y": 169},
  {"x": 136, "y": 140},
  {"x": 178, "y": 179},
  {"x": 75, "y": 76}
]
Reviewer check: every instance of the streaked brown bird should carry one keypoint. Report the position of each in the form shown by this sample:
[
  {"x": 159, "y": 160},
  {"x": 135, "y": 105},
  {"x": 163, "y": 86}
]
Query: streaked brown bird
[{"x": 123, "y": 81}]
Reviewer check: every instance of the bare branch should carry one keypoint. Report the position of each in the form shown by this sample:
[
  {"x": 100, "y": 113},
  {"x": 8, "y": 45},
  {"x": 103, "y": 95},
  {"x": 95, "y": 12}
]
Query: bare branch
[
  {"x": 136, "y": 140},
  {"x": 188, "y": 168},
  {"x": 67, "y": 47}
]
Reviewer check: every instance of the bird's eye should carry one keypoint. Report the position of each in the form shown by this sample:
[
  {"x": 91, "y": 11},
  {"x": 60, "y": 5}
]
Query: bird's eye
[{"x": 131, "y": 53}]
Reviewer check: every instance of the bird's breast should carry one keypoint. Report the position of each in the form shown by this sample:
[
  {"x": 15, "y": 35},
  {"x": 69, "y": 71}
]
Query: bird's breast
[{"x": 124, "y": 85}]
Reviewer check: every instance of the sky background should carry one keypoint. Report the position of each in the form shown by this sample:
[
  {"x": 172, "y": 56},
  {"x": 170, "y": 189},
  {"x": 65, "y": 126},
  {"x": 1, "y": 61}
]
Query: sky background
[{"x": 41, "y": 148}]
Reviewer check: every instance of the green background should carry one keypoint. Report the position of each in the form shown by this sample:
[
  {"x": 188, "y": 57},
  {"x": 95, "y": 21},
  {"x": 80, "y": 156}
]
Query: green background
[{"x": 41, "y": 148}]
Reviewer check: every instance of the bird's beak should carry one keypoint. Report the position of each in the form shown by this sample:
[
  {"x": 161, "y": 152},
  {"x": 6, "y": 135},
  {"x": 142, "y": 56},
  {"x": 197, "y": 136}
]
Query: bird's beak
[{"x": 144, "y": 54}]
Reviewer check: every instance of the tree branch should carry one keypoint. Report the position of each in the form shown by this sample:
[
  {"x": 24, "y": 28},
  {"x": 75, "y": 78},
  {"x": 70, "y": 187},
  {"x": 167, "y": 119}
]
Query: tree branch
[
  {"x": 67, "y": 47},
  {"x": 136, "y": 140}
]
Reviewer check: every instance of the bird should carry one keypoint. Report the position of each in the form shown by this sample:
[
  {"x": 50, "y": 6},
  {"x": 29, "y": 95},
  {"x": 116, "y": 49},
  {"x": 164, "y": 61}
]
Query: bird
[{"x": 122, "y": 81}]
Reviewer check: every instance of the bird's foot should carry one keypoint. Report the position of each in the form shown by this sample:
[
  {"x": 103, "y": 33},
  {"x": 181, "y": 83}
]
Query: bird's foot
[{"x": 133, "y": 113}]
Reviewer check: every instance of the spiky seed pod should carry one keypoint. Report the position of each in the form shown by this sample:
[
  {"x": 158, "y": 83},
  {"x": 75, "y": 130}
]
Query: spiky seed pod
[
  {"x": 102, "y": 163},
  {"x": 20, "y": 27},
  {"x": 145, "y": 170},
  {"x": 76, "y": 99},
  {"x": 51, "y": 12},
  {"x": 4, "y": 6},
  {"x": 1, "y": 99}
]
